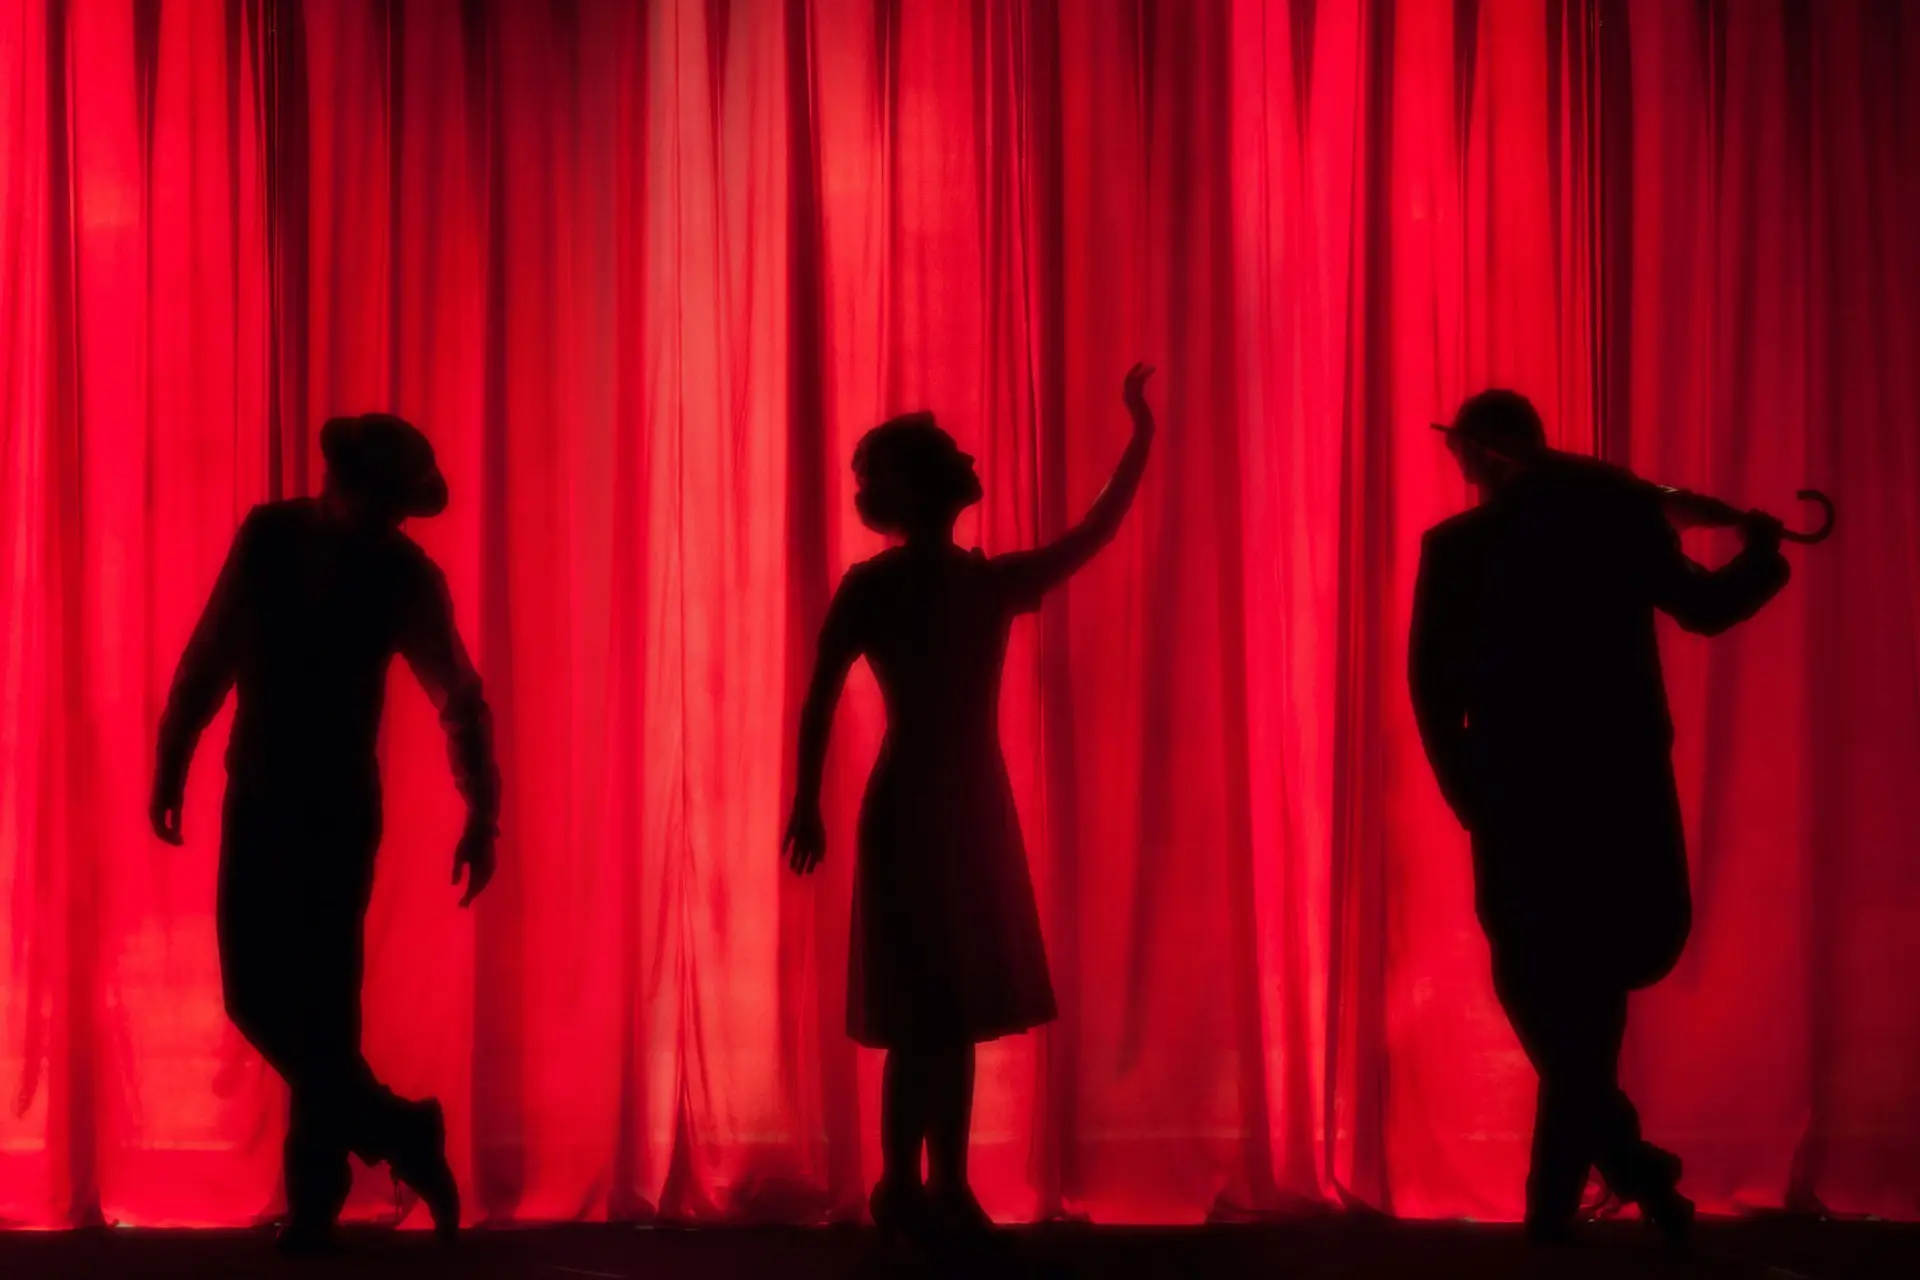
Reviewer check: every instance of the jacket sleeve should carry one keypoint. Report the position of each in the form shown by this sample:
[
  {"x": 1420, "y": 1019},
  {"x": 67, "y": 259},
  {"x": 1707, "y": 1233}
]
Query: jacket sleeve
[
  {"x": 207, "y": 667},
  {"x": 1436, "y": 679},
  {"x": 431, "y": 645},
  {"x": 1709, "y": 601}
]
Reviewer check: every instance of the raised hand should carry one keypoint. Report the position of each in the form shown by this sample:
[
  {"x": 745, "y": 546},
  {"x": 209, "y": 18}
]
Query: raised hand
[
  {"x": 1134, "y": 393},
  {"x": 805, "y": 843}
]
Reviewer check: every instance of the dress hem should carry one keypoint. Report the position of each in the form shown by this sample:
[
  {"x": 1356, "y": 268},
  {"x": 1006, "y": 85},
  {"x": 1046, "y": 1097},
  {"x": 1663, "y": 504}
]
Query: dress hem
[{"x": 984, "y": 1035}]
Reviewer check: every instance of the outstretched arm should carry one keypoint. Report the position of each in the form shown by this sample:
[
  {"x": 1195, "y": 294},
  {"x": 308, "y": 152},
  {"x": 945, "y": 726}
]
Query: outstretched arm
[
  {"x": 200, "y": 685},
  {"x": 1439, "y": 697},
  {"x": 1709, "y": 601},
  {"x": 430, "y": 642},
  {"x": 805, "y": 841},
  {"x": 1031, "y": 574}
]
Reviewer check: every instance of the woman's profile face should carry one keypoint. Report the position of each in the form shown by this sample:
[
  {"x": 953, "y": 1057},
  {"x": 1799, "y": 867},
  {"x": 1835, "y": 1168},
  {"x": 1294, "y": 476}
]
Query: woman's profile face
[
  {"x": 918, "y": 478},
  {"x": 948, "y": 481},
  {"x": 967, "y": 479}
]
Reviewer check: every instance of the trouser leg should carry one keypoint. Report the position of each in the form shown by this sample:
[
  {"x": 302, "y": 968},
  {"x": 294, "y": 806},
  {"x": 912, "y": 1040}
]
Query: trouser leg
[
  {"x": 1635, "y": 1168},
  {"x": 1564, "y": 1024},
  {"x": 291, "y": 961}
]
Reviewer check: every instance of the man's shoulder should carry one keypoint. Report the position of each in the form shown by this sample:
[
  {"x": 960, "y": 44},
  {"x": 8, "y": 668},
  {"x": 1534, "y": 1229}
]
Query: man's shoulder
[
  {"x": 273, "y": 521},
  {"x": 281, "y": 511},
  {"x": 1456, "y": 531},
  {"x": 1600, "y": 487},
  {"x": 414, "y": 560}
]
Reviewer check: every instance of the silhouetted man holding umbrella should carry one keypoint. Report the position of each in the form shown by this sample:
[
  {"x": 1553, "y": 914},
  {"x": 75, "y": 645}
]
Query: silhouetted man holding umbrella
[
  {"x": 1536, "y": 683},
  {"x": 315, "y": 599}
]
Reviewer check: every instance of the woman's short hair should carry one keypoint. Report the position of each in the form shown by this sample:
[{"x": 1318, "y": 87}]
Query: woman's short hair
[{"x": 902, "y": 469}]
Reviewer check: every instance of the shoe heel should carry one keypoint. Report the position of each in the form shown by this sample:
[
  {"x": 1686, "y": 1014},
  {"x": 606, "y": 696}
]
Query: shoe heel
[{"x": 896, "y": 1214}]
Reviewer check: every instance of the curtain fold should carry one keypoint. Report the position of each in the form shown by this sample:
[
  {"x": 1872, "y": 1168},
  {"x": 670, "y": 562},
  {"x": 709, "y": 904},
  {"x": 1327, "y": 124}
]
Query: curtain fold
[{"x": 646, "y": 271}]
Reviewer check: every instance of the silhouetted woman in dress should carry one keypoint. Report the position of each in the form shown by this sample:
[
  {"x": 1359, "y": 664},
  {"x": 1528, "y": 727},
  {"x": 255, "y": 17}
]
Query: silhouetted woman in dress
[{"x": 946, "y": 949}]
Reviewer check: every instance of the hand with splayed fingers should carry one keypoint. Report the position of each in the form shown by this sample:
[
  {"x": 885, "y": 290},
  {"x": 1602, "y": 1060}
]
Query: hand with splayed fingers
[{"x": 805, "y": 843}]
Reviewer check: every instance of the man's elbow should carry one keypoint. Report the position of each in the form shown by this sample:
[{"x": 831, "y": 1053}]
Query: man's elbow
[
  {"x": 816, "y": 715},
  {"x": 191, "y": 708},
  {"x": 1705, "y": 623},
  {"x": 1717, "y": 617},
  {"x": 464, "y": 705}
]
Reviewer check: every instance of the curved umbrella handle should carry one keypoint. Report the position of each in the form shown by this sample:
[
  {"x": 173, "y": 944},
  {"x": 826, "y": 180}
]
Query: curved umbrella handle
[
  {"x": 1687, "y": 508},
  {"x": 1825, "y": 527}
]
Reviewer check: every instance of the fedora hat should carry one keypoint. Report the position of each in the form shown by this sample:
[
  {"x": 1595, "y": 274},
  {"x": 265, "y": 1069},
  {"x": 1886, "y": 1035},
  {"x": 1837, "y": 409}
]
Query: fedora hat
[
  {"x": 386, "y": 459},
  {"x": 1499, "y": 420}
]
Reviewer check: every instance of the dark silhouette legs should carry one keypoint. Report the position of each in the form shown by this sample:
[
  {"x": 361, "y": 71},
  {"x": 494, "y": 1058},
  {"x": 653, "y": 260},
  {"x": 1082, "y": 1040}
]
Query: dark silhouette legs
[
  {"x": 927, "y": 1098},
  {"x": 1571, "y": 1024},
  {"x": 322, "y": 1115},
  {"x": 338, "y": 1108},
  {"x": 949, "y": 1119},
  {"x": 291, "y": 963},
  {"x": 335, "y": 1107},
  {"x": 903, "y": 1116}
]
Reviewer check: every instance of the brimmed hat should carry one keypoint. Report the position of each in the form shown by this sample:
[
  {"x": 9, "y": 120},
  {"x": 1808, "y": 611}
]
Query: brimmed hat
[
  {"x": 1500, "y": 420},
  {"x": 386, "y": 459}
]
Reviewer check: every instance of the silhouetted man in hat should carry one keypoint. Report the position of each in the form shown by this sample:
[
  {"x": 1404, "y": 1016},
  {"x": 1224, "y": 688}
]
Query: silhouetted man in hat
[
  {"x": 315, "y": 599},
  {"x": 1537, "y": 687}
]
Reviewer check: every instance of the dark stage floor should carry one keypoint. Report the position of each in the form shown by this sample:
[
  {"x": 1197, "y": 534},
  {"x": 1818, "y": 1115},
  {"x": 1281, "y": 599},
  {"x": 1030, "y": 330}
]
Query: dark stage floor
[{"x": 1763, "y": 1249}]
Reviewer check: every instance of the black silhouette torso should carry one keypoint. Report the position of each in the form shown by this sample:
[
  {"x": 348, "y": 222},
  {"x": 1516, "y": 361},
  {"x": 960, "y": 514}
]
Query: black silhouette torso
[
  {"x": 303, "y": 626},
  {"x": 946, "y": 937},
  {"x": 1537, "y": 684}
]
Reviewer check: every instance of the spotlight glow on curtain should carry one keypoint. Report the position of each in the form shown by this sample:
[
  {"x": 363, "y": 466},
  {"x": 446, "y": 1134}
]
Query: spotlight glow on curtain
[{"x": 646, "y": 270}]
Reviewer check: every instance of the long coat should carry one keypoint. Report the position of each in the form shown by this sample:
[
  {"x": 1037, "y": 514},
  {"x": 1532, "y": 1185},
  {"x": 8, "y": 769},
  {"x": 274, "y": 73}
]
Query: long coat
[{"x": 1536, "y": 683}]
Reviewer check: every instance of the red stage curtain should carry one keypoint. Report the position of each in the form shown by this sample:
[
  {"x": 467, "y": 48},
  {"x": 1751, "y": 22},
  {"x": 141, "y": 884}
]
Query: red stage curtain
[{"x": 646, "y": 271}]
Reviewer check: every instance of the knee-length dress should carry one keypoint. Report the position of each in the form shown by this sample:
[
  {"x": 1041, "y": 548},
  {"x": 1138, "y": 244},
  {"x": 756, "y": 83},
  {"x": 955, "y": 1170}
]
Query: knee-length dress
[{"x": 946, "y": 940}]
